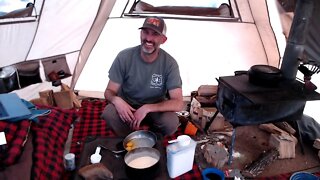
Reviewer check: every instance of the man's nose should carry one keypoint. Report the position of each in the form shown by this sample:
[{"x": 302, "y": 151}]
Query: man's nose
[{"x": 149, "y": 37}]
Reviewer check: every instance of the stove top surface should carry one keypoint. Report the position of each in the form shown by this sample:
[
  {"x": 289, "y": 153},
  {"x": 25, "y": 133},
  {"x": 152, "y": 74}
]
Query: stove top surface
[{"x": 260, "y": 95}]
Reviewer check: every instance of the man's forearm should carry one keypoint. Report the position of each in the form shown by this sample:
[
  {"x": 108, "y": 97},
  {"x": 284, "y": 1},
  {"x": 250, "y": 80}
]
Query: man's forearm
[
  {"x": 168, "y": 105},
  {"x": 109, "y": 95}
]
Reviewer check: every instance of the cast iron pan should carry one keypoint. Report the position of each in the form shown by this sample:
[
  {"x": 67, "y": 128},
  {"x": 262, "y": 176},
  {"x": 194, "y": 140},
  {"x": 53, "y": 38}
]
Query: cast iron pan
[{"x": 263, "y": 75}]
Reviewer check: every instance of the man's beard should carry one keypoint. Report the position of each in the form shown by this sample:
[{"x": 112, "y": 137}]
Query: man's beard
[{"x": 148, "y": 51}]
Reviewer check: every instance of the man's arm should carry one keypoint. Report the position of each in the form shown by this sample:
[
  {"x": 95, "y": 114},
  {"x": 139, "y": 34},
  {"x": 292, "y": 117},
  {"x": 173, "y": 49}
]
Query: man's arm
[
  {"x": 123, "y": 108},
  {"x": 111, "y": 91},
  {"x": 174, "y": 104}
]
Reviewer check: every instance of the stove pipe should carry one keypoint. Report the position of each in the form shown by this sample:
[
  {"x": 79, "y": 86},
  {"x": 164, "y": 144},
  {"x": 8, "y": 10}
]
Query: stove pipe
[{"x": 297, "y": 39}]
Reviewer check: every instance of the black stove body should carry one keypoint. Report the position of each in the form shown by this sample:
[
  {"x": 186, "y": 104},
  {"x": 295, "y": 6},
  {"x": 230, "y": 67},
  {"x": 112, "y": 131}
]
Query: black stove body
[{"x": 243, "y": 103}]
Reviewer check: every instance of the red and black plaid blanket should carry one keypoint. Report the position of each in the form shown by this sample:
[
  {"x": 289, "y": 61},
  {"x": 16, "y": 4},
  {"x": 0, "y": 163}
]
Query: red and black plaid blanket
[
  {"x": 16, "y": 134},
  {"x": 50, "y": 135},
  {"x": 92, "y": 125}
]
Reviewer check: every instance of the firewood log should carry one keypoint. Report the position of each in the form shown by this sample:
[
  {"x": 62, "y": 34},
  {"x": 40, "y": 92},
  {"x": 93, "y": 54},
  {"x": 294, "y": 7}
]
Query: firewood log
[
  {"x": 286, "y": 126},
  {"x": 257, "y": 167}
]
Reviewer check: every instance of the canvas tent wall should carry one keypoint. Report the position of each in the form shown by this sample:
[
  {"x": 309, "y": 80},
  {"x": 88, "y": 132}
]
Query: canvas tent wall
[
  {"x": 65, "y": 28},
  {"x": 72, "y": 28},
  {"x": 204, "y": 49}
]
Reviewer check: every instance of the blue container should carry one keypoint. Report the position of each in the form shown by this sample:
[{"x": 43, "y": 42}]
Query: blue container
[
  {"x": 303, "y": 176},
  {"x": 212, "y": 174}
]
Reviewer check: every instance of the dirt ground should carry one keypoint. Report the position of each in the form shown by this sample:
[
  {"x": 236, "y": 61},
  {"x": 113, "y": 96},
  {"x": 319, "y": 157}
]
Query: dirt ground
[{"x": 250, "y": 143}]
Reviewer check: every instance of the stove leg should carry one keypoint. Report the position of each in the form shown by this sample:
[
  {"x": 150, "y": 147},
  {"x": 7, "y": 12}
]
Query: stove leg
[
  {"x": 233, "y": 137},
  {"x": 299, "y": 137},
  {"x": 210, "y": 122}
]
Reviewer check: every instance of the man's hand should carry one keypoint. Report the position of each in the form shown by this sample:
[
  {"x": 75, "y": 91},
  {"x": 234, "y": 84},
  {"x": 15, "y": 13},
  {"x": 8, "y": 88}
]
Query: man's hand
[
  {"x": 124, "y": 110},
  {"x": 139, "y": 115}
]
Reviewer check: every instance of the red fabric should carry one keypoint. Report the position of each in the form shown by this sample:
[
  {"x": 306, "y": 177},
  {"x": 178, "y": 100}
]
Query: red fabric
[
  {"x": 16, "y": 134},
  {"x": 50, "y": 135},
  {"x": 92, "y": 125}
]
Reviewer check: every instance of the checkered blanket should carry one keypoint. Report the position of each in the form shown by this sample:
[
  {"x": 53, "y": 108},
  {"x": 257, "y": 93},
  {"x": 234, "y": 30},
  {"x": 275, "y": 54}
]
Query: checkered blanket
[
  {"x": 50, "y": 135},
  {"x": 16, "y": 134},
  {"x": 92, "y": 125}
]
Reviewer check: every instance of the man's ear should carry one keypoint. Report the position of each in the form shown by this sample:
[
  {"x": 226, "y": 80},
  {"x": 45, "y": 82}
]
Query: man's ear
[{"x": 164, "y": 39}]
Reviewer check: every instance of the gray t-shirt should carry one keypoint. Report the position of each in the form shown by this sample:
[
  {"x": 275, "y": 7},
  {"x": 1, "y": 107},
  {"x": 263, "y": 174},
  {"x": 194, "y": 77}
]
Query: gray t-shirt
[{"x": 142, "y": 82}]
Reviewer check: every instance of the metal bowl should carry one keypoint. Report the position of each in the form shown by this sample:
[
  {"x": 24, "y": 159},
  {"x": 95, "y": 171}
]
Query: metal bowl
[
  {"x": 142, "y": 163},
  {"x": 140, "y": 138}
]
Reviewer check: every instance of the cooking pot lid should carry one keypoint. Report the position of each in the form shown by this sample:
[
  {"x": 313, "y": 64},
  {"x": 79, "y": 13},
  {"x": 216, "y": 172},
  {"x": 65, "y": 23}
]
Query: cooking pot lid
[
  {"x": 7, "y": 71},
  {"x": 266, "y": 69}
]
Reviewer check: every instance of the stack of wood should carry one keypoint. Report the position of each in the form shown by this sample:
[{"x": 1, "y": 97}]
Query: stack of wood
[
  {"x": 282, "y": 139},
  {"x": 283, "y": 143},
  {"x": 316, "y": 144},
  {"x": 257, "y": 167},
  {"x": 206, "y": 95},
  {"x": 203, "y": 107}
]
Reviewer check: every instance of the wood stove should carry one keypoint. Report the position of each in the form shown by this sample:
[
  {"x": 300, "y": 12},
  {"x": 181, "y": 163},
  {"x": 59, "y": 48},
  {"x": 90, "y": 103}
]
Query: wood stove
[{"x": 244, "y": 103}]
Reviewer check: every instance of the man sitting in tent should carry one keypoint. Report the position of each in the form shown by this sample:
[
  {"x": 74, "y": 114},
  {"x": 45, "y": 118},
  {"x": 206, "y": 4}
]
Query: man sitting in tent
[{"x": 141, "y": 77}]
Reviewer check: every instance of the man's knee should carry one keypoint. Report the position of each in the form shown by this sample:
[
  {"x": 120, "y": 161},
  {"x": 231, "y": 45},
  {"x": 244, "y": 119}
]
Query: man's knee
[
  {"x": 170, "y": 123},
  {"x": 109, "y": 113}
]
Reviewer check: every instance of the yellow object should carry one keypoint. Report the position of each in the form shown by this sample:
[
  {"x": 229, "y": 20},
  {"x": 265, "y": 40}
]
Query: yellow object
[{"x": 129, "y": 146}]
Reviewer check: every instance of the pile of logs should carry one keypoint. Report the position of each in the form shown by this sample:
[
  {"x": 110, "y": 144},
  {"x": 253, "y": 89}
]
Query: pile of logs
[
  {"x": 282, "y": 142},
  {"x": 282, "y": 139}
]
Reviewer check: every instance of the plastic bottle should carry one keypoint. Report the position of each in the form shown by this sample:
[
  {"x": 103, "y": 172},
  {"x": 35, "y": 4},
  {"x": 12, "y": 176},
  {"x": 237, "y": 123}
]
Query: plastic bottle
[{"x": 180, "y": 155}]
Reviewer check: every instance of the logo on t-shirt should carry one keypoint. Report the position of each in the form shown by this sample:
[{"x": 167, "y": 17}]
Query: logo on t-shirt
[{"x": 156, "y": 81}]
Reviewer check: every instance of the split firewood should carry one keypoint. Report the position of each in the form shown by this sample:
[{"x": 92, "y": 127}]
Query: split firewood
[
  {"x": 257, "y": 167},
  {"x": 271, "y": 128},
  {"x": 226, "y": 133},
  {"x": 284, "y": 142},
  {"x": 286, "y": 145},
  {"x": 316, "y": 143},
  {"x": 207, "y": 90},
  {"x": 286, "y": 126}
]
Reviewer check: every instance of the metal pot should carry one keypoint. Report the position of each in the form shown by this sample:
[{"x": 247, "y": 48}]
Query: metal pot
[
  {"x": 140, "y": 138},
  {"x": 142, "y": 163},
  {"x": 8, "y": 79},
  {"x": 264, "y": 75}
]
